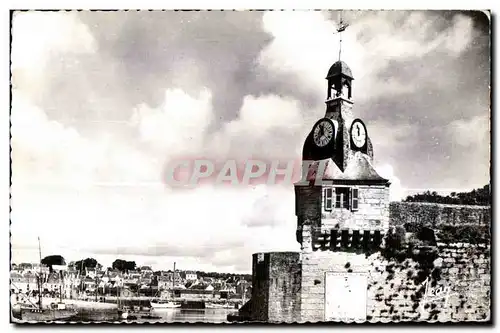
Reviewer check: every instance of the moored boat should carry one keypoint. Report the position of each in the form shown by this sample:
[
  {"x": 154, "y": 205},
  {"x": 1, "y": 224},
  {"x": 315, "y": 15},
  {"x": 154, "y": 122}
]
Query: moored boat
[
  {"x": 217, "y": 306},
  {"x": 164, "y": 304},
  {"x": 37, "y": 313},
  {"x": 55, "y": 313}
]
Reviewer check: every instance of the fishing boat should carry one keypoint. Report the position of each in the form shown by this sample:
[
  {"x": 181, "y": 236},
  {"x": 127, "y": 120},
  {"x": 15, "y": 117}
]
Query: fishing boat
[
  {"x": 164, "y": 304},
  {"x": 56, "y": 311}
]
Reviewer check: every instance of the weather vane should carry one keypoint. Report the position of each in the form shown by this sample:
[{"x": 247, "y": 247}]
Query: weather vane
[{"x": 340, "y": 29}]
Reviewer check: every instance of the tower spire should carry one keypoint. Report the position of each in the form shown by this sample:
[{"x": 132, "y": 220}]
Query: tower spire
[{"x": 342, "y": 26}]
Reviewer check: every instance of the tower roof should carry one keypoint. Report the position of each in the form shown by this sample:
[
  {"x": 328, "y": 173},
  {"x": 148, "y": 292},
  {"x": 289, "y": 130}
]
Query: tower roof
[
  {"x": 359, "y": 170},
  {"x": 339, "y": 68}
]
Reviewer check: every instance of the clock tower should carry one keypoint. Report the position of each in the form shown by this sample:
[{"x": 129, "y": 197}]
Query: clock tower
[
  {"x": 342, "y": 208},
  {"x": 349, "y": 134},
  {"x": 349, "y": 192}
]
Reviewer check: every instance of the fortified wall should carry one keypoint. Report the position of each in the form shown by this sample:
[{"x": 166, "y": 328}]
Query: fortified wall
[{"x": 432, "y": 264}]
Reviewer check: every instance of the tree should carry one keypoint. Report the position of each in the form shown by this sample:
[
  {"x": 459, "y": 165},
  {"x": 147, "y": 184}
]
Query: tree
[
  {"x": 481, "y": 196},
  {"x": 25, "y": 266},
  {"x": 123, "y": 265},
  {"x": 154, "y": 281},
  {"x": 49, "y": 261},
  {"x": 81, "y": 265}
]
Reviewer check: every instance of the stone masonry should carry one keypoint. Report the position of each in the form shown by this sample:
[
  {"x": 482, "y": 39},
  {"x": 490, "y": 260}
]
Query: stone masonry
[{"x": 411, "y": 276}]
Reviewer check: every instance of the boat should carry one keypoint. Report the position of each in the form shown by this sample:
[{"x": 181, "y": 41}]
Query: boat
[
  {"x": 164, "y": 304},
  {"x": 55, "y": 312},
  {"x": 217, "y": 306},
  {"x": 150, "y": 316},
  {"x": 123, "y": 314},
  {"x": 123, "y": 311},
  {"x": 159, "y": 304}
]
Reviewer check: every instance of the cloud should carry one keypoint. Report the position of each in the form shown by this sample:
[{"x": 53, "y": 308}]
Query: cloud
[
  {"x": 471, "y": 132},
  {"x": 305, "y": 46},
  {"x": 180, "y": 118},
  {"x": 37, "y": 34},
  {"x": 396, "y": 191},
  {"x": 38, "y": 37},
  {"x": 44, "y": 150},
  {"x": 399, "y": 134},
  {"x": 107, "y": 200},
  {"x": 269, "y": 127}
]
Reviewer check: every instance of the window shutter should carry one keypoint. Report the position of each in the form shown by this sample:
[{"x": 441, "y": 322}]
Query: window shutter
[
  {"x": 354, "y": 199},
  {"x": 328, "y": 198}
]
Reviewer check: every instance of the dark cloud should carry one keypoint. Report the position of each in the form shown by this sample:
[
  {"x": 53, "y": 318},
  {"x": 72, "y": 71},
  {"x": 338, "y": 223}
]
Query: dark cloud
[
  {"x": 448, "y": 89},
  {"x": 158, "y": 50}
]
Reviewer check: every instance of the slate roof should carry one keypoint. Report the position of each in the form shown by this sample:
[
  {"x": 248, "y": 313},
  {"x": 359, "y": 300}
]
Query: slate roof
[{"x": 359, "y": 169}]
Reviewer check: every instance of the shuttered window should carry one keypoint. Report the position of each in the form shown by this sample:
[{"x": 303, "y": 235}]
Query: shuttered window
[
  {"x": 340, "y": 197},
  {"x": 327, "y": 194},
  {"x": 354, "y": 199}
]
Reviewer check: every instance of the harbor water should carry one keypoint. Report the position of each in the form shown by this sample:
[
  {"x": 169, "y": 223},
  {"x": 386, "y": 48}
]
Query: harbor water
[{"x": 172, "y": 316}]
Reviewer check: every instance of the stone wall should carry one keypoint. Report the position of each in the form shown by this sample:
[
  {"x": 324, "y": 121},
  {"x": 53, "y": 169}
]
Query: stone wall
[
  {"x": 284, "y": 287},
  {"x": 315, "y": 264},
  {"x": 433, "y": 265},
  {"x": 259, "y": 302},
  {"x": 430, "y": 214},
  {"x": 276, "y": 280},
  {"x": 455, "y": 286},
  {"x": 372, "y": 212}
]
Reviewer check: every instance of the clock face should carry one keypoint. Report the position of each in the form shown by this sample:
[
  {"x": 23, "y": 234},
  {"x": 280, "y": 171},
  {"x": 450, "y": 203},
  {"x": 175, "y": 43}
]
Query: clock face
[
  {"x": 323, "y": 132},
  {"x": 358, "y": 133}
]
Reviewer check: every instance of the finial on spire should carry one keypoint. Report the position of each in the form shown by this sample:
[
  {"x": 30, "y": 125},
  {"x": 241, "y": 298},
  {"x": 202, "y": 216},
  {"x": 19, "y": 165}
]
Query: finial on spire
[{"x": 340, "y": 29}]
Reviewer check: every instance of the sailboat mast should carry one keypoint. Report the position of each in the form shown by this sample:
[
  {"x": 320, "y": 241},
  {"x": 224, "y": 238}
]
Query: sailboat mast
[
  {"x": 173, "y": 283},
  {"x": 40, "y": 276},
  {"x": 118, "y": 292}
]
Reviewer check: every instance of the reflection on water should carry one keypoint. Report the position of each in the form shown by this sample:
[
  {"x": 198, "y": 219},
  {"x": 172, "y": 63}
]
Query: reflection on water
[
  {"x": 153, "y": 316},
  {"x": 189, "y": 315}
]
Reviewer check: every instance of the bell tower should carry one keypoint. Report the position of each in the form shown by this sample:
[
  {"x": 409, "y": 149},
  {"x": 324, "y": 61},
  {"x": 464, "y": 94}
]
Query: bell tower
[
  {"x": 350, "y": 193},
  {"x": 342, "y": 207}
]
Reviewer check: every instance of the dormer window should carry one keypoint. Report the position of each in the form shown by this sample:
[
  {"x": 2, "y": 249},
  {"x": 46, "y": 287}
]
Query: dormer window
[{"x": 340, "y": 198}]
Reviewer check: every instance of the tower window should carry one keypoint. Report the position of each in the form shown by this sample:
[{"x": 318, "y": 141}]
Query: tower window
[{"x": 340, "y": 198}]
